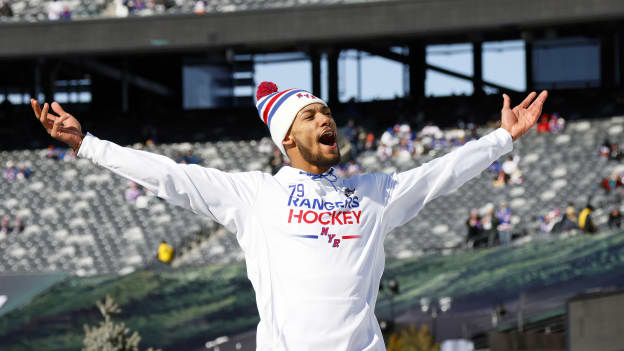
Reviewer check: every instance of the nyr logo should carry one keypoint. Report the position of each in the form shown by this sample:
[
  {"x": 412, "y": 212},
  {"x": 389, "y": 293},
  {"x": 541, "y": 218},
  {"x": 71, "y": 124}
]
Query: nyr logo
[
  {"x": 333, "y": 239},
  {"x": 306, "y": 95}
]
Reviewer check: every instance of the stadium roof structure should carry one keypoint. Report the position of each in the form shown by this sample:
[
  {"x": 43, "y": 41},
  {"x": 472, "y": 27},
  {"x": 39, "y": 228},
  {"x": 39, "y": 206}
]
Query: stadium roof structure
[
  {"x": 284, "y": 27},
  {"x": 148, "y": 54}
]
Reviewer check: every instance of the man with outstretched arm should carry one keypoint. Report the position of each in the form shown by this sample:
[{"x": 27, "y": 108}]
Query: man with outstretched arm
[{"x": 313, "y": 242}]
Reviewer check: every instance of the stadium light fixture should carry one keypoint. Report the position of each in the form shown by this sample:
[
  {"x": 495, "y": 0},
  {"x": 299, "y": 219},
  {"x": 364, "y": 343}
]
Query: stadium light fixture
[
  {"x": 216, "y": 342},
  {"x": 445, "y": 303},
  {"x": 424, "y": 304}
]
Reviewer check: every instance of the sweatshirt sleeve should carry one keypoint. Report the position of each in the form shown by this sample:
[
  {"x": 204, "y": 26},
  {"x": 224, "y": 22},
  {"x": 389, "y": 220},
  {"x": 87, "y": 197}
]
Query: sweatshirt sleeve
[
  {"x": 224, "y": 197},
  {"x": 413, "y": 189}
]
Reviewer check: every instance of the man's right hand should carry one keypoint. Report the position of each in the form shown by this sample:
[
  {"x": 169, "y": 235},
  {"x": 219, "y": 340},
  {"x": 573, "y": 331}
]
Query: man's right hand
[{"x": 63, "y": 127}]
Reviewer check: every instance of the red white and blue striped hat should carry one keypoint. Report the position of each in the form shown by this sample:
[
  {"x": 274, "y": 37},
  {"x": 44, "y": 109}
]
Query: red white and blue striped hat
[{"x": 278, "y": 109}]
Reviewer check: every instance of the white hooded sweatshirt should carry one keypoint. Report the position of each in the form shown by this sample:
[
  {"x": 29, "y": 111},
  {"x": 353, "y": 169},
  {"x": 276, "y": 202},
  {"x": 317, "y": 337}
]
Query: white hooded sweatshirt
[{"x": 313, "y": 244}]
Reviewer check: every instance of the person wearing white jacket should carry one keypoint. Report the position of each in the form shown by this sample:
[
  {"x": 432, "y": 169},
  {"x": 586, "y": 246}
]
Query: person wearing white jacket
[{"x": 313, "y": 242}]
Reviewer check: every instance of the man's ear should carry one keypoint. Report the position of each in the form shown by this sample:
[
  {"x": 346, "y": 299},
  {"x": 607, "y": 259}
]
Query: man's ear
[{"x": 289, "y": 140}]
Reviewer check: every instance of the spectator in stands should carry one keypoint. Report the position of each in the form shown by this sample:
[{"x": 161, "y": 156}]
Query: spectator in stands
[
  {"x": 55, "y": 9},
  {"x": 265, "y": 146},
  {"x": 277, "y": 160},
  {"x": 474, "y": 227},
  {"x": 120, "y": 9},
  {"x": 406, "y": 150},
  {"x": 353, "y": 168},
  {"x": 384, "y": 151},
  {"x": 615, "y": 219},
  {"x": 135, "y": 6},
  {"x": 431, "y": 130},
  {"x": 503, "y": 214},
  {"x": 19, "y": 225},
  {"x": 24, "y": 171},
  {"x": 614, "y": 153},
  {"x": 370, "y": 141},
  {"x": 456, "y": 136},
  {"x": 133, "y": 192},
  {"x": 388, "y": 138},
  {"x": 419, "y": 148},
  {"x": 495, "y": 168},
  {"x": 512, "y": 171},
  {"x": 68, "y": 155},
  {"x": 164, "y": 5},
  {"x": 568, "y": 221},
  {"x": 178, "y": 157},
  {"x": 191, "y": 158},
  {"x": 405, "y": 131},
  {"x": 165, "y": 252},
  {"x": 612, "y": 182},
  {"x": 5, "y": 9},
  {"x": 585, "y": 221},
  {"x": 361, "y": 138},
  {"x": 549, "y": 220},
  {"x": 66, "y": 14},
  {"x": 544, "y": 124},
  {"x": 5, "y": 226},
  {"x": 501, "y": 179},
  {"x": 489, "y": 226},
  {"x": 556, "y": 123},
  {"x": 605, "y": 148},
  {"x": 11, "y": 172},
  {"x": 51, "y": 153},
  {"x": 350, "y": 133},
  {"x": 200, "y": 7}
]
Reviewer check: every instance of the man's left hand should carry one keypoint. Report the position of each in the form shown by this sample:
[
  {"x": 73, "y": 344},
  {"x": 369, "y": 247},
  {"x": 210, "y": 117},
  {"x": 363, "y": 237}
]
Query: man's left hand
[{"x": 521, "y": 118}]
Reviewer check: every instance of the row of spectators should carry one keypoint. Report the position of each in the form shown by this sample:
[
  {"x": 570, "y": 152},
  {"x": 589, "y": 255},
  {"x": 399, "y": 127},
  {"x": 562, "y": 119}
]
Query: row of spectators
[
  {"x": 19, "y": 172},
  {"x": 60, "y": 154},
  {"x": 155, "y": 7},
  {"x": 490, "y": 227},
  {"x": 550, "y": 123},
  {"x": 610, "y": 151},
  {"x": 556, "y": 222},
  {"x": 143, "y": 7},
  {"x": 6, "y": 227},
  {"x": 56, "y": 10},
  {"x": 401, "y": 143},
  {"x": 487, "y": 228},
  {"x": 60, "y": 9}
]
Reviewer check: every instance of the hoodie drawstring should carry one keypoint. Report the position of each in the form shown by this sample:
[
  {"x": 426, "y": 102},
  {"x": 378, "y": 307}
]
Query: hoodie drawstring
[{"x": 329, "y": 176}]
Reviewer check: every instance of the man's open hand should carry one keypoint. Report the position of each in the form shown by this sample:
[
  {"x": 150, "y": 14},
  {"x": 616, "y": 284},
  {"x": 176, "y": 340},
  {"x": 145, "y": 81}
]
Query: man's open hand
[
  {"x": 521, "y": 118},
  {"x": 63, "y": 127}
]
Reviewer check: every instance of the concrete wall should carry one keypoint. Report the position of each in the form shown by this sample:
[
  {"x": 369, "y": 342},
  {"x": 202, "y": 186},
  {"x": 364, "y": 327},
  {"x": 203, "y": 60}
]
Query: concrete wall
[
  {"x": 295, "y": 28},
  {"x": 596, "y": 323}
]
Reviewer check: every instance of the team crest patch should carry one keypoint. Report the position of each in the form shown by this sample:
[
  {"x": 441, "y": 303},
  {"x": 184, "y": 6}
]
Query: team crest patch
[{"x": 348, "y": 191}]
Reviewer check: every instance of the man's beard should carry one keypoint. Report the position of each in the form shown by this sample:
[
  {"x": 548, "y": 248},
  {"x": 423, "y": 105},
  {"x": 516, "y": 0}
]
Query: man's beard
[{"x": 318, "y": 160}]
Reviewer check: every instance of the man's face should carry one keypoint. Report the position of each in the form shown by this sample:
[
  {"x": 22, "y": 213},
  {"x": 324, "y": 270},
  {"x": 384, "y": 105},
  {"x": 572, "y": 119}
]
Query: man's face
[{"x": 314, "y": 134}]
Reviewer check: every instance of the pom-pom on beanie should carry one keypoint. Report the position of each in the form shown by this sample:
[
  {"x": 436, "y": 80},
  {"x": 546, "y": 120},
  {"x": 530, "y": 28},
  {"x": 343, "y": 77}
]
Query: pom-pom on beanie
[{"x": 278, "y": 109}]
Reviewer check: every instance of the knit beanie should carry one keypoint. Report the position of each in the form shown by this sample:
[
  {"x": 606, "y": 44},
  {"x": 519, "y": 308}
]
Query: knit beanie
[{"x": 278, "y": 109}]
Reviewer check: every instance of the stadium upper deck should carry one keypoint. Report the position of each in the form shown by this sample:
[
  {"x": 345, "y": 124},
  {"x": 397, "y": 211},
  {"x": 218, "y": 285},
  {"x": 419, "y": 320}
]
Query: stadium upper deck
[
  {"x": 285, "y": 25},
  {"x": 44, "y": 10}
]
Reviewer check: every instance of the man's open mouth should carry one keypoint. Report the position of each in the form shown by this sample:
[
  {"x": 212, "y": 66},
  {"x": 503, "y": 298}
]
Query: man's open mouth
[{"x": 328, "y": 138}]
